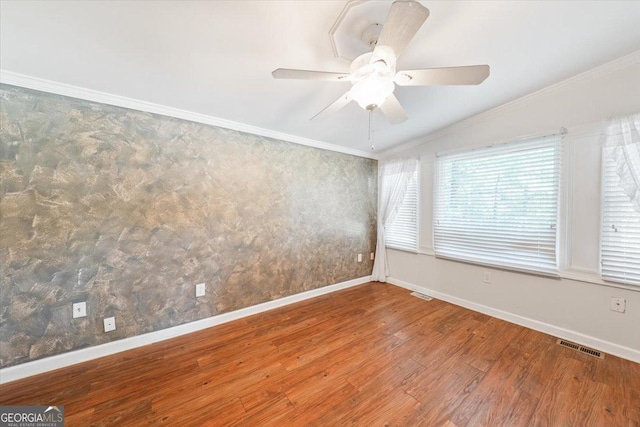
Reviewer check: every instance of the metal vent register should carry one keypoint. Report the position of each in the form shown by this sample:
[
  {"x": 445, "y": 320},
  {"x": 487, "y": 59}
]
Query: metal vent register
[
  {"x": 422, "y": 296},
  {"x": 581, "y": 348}
]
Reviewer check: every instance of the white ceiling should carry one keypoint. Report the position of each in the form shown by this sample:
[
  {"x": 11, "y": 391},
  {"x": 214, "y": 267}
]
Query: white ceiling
[{"x": 216, "y": 57}]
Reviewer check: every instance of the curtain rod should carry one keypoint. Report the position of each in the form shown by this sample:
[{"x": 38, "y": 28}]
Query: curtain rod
[{"x": 562, "y": 131}]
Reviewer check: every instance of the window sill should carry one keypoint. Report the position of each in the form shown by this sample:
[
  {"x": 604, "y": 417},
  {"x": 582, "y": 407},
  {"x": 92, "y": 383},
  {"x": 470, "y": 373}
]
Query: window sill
[
  {"x": 592, "y": 277},
  {"x": 396, "y": 248},
  {"x": 575, "y": 274}
]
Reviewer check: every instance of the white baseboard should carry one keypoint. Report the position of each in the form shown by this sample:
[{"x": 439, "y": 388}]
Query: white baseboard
[
  {"x": 580, "y": 338},
  {"x": 13, "y": 373}
]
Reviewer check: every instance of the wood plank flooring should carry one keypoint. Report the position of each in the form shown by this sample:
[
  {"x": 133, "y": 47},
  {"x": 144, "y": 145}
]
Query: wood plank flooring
[{"x": 370, "y": 355}]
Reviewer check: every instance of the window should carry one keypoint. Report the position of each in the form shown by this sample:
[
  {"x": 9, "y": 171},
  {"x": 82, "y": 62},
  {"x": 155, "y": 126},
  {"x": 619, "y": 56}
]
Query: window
[
  {"x": 402, "y": 233},
  {"x": 499, "y": 205},
  {"x": 620, "y": 248}
]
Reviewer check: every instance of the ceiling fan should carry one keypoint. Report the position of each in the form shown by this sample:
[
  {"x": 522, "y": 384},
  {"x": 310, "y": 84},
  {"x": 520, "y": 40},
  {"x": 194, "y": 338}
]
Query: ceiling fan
[{"x": 373, "y": 75}]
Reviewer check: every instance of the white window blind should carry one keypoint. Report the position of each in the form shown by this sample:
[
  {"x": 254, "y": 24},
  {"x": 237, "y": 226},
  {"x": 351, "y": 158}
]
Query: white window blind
[
  {"x": 499, "y": 205},
  {"x": 620, "y": 248},
  {"x": 402, "y": 233}
]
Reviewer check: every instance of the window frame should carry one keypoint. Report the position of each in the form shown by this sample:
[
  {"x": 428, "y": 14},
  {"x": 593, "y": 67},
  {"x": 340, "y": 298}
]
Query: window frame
[
  {"x": 561, "y": 207},
  {"x": 607, "y": 280},
  {"x": 417, "y": 217}
]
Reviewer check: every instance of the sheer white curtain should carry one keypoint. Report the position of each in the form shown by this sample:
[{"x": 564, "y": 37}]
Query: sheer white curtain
[
  {"x": 623, "y": 143},
  {"x": 393, "y": 181}
]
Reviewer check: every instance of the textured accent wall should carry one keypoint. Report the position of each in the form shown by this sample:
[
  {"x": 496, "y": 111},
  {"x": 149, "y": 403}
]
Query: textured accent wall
[{"x": 128, "y": 211}]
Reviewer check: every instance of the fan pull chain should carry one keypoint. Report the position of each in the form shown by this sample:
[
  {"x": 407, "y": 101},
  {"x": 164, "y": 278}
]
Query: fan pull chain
[{"x": 371, "y": 135}]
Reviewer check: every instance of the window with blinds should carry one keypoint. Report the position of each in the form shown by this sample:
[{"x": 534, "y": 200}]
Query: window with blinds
[
  {"x": 498, "y": 205},
  {"x": 620, "y": 248},
  {"x": 403, "y": 232}
]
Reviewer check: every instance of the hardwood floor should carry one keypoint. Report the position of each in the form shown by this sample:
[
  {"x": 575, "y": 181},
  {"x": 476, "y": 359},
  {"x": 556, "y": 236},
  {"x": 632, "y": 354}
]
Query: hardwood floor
[{"x": 369, "y": 355}]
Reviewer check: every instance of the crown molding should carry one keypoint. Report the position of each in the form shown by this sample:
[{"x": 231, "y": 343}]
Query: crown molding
[
  {"x": 332, "y": 32},
  {"x": 35, "y": 83},
  {"x": 609, "y": 67}
]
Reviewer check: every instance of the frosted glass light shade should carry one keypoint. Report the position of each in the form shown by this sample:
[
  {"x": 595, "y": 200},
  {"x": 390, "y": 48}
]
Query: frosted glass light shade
[{"x": 371, "y": 91}]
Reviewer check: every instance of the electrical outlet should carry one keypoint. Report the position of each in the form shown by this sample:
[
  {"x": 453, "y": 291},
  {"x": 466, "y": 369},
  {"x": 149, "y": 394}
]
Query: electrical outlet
[
  {"x": 618, "y": 304},
  {"x": 200, "y": 290},
  {"x": 486, "y": 277},
  {"x": 79, "y": 309},
  {"x": 109, "y": 324},
  {"x": 359, "y": 257},
  {"x": 372, "y": 256}
]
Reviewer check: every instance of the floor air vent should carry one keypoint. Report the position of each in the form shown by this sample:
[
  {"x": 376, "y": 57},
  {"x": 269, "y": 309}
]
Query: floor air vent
[
  {"x": 422, "y": 296},
  {"x": 581, "y": 348}
]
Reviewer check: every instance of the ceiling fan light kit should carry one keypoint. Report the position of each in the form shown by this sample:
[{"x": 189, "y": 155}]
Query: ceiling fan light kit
[
  {"x": 371, "y": 92},
  {"x": 373, "y": 75}
]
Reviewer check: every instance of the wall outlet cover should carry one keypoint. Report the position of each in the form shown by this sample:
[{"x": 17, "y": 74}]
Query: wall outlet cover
[
  {"x": 618, "y": 304},
  {"x": 201, "y": 290},
  {"x": 109, "y": 324},
  {"x": 371, "y": 256},
  {"x": 79, "y": 309},
  {"x": 359, "y": 257}
]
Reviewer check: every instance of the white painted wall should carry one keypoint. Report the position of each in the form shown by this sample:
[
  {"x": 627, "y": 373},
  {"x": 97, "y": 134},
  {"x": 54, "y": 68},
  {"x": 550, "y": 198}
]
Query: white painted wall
[{"x": 576, "y": 306}]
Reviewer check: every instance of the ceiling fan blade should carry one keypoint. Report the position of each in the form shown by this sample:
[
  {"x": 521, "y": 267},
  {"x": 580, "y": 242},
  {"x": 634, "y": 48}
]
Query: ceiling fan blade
[
  {"x": 286, "y": 73},
  {"x": 403, "y": 22},
  {"x": 393, "y": 111},
  {"x": 470, "y": 75},
  {"x": 334, "y": 106}
]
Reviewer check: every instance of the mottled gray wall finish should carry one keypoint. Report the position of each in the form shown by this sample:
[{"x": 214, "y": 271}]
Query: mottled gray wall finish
[{"x": 129, "y": 210}]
